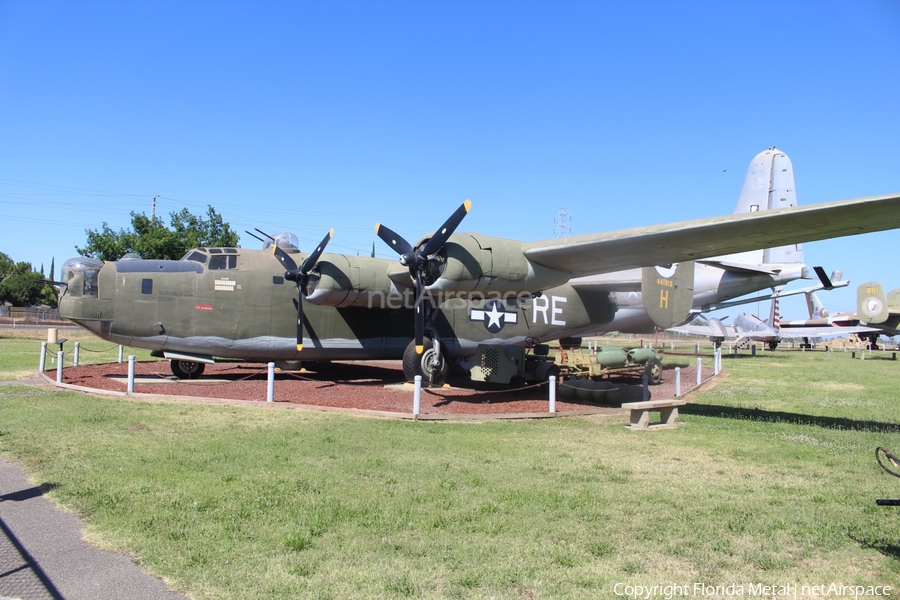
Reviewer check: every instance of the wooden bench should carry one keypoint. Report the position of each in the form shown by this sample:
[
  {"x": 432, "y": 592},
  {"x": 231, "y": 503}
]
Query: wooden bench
[{"x": 640, "y": 413}]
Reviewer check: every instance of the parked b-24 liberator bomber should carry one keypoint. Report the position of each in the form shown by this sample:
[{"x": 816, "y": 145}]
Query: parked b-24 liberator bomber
[{"x": 449, "y": 293}]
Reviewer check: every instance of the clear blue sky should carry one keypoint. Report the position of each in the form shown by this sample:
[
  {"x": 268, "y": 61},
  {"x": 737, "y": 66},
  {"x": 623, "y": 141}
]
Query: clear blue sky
[{"x": 302, "y": 116}]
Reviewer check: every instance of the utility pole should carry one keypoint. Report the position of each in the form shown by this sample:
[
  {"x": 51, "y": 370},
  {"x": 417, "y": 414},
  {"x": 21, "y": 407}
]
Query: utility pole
[
  {"x": 563, "y": 228},
  {"x": 153, "y": 210}
]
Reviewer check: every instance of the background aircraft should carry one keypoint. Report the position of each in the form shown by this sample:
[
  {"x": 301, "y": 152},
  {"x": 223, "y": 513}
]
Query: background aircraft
[
  {"x": 750, "y": 328},
  {"x": 449, "y": 293},
  {"x": 644, "y": 305},
  {"x": 880, "y": 312}
]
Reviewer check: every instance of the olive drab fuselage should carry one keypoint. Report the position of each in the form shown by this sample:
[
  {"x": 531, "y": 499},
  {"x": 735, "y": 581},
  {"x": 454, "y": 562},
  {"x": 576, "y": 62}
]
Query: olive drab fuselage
[{"x": 236, "y": 303}]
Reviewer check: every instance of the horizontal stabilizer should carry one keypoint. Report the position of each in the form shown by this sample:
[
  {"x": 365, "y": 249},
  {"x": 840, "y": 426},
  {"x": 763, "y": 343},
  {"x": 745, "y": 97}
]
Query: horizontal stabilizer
[{"x": 735, "y": 267}]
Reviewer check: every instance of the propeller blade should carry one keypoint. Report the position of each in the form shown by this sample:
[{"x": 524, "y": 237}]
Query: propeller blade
[
  {"x": 301, "y": 277},
  {"x": 313, "y": 258},
  {"x": 285, "y": 258},
  {"x": 299, "y": 318},
  {"x": 417, "y": 260},
  {"x": 393, "y": 239},
  {"x": 440, "y": 236},
  {"x": 420, "y": 314}
]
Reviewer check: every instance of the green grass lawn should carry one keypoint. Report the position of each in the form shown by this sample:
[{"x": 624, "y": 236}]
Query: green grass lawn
[
  {"x": 771, "y": 479},
  {"x": 20, "y": 351}
]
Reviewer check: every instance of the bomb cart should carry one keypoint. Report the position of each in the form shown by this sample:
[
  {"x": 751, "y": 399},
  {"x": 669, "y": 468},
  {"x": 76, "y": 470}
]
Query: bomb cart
[
  {"x": 497, "y": 364},
  {"x": 610, "y": 363}
]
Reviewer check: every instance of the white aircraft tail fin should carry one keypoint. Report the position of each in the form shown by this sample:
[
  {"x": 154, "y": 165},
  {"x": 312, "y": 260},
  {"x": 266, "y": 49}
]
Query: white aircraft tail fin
[
  {"x": 769, "y": 184},
  {"x": 815, "y": 307}
]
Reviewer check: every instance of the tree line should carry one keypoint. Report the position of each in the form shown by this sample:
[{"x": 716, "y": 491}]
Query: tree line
[{"x": 149, "y": 237}]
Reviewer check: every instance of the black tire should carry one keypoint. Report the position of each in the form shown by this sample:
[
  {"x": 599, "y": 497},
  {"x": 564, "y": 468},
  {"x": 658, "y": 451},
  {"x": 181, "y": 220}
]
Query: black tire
[
  {"x": 773, "y": 345},
  {"x": 187, "y": 369},
  {"x": 653, "y": 368},
  {"x": 419, "y": 364}
]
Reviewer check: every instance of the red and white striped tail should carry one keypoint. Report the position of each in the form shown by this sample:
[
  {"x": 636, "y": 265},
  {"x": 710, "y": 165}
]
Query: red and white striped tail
[{"x": 776, "y": 317}]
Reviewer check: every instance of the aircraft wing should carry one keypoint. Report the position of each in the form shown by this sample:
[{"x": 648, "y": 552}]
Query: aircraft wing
[
  {"x": 793, "y": 333},
  {"x": 703, "y": 238},
  {"x": 705, "y": 330},
  {"x": 714, "y": 329}
]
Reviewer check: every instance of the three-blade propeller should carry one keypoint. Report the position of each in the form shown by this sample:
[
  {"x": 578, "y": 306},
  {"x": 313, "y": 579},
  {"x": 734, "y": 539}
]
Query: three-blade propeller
[
  {"x": 416, "y": 259},
  {"x": 301, "y": 278}
]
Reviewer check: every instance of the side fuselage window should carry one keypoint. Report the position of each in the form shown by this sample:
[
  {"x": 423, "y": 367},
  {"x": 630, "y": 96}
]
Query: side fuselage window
[
  {"x": 146, "y": 286},
  {"x": 223, "y": 261}
]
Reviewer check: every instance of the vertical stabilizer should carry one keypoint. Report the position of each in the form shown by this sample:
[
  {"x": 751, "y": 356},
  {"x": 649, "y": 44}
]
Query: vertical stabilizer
[
  {"x": 893, "y": 301},
  {"x": 667, "y": 292},
  {"x": 871, "y": 305},
  {"x": 769, "y": 184},
  {"x": 815, "y": 306},
  {"x": 775, "y": 316},
  {"x": 781, "y": 195}
]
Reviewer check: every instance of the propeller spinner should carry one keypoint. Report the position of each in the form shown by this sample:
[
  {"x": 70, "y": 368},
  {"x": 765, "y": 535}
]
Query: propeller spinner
[
  {"x": 301, "y": 278},
  {"x": 416, "y": 259}
]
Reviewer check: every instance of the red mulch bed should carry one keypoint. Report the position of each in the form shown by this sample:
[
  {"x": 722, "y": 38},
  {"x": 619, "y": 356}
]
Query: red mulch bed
[{"x": 368, "y": 385}]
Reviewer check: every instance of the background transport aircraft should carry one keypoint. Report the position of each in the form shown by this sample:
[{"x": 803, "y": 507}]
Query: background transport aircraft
[
  {"x": 750, "y": 328},
  {"x": 644, "y": 306},
  {"x": 449, "y": 294},
  {"x": 880, "y": 312}
]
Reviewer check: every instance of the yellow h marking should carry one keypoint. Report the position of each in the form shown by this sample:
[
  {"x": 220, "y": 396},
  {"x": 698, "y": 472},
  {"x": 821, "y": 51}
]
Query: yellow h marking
[{"x": 664, "y": 299}]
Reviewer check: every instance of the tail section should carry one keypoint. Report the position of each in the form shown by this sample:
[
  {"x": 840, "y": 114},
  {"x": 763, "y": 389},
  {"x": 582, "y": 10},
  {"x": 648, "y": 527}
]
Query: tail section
[
  {"x": 667, "y": 292},
  {"x": 775, "y": 316},
  {"x": 894, "y": 301},
  {"x": 769, "y": 184},
  {"x": 816, "y": 308},
  {"x": 871, "y": 305}
]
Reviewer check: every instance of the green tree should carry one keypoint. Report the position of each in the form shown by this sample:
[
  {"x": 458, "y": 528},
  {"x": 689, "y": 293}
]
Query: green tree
[
  {"x": 150, "y": 238},
  {"x": 20, "y": 285}
]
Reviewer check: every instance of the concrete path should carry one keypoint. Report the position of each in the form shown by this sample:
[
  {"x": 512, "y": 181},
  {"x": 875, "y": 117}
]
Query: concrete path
[{"x": 43, "y": 555}]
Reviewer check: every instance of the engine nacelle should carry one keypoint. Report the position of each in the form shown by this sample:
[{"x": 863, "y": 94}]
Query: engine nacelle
[
  {"x": 341, "y": 280},
  {"x": 479, "y": 263},
  {"x": 468, "y": 263}
]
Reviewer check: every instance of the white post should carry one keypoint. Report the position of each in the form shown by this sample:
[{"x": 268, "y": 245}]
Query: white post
[
  {"x": 59, "y": 366},
  {"x": 43, "y": 363},
  {"x": 699, "y": 366},
  {"x": 131, "y": 374},
  {"x": 77, "y": 348},
  {"x": 716, "y": 362},
  {"x": 552, "y": 381},
  {"x": 120, "y": 353},
  {"x": 677, "y": 381},
  {"x": 270, "y": 385},
  {"x": 417, "y": 395}
]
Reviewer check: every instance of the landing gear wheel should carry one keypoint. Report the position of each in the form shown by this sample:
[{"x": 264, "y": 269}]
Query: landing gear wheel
[
  {"x": 187, "y": 369},
  {"x": 773, "y": 345},
  {"x": 653, "y": 369},
  {"x": 431, "y": 365},
  {"x": 553, "y": 371}
]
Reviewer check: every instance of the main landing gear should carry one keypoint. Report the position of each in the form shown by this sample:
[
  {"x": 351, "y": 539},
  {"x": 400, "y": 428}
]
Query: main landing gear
[
  {"x": 432, "y": 365},
  {"x": 187, "y": 369}
]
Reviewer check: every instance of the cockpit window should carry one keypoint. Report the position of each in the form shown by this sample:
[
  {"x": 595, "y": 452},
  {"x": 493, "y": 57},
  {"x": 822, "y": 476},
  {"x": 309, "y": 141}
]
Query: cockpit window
[
  {"x": 196, "y": 256},
  {"x": 223, "y": 261}
]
